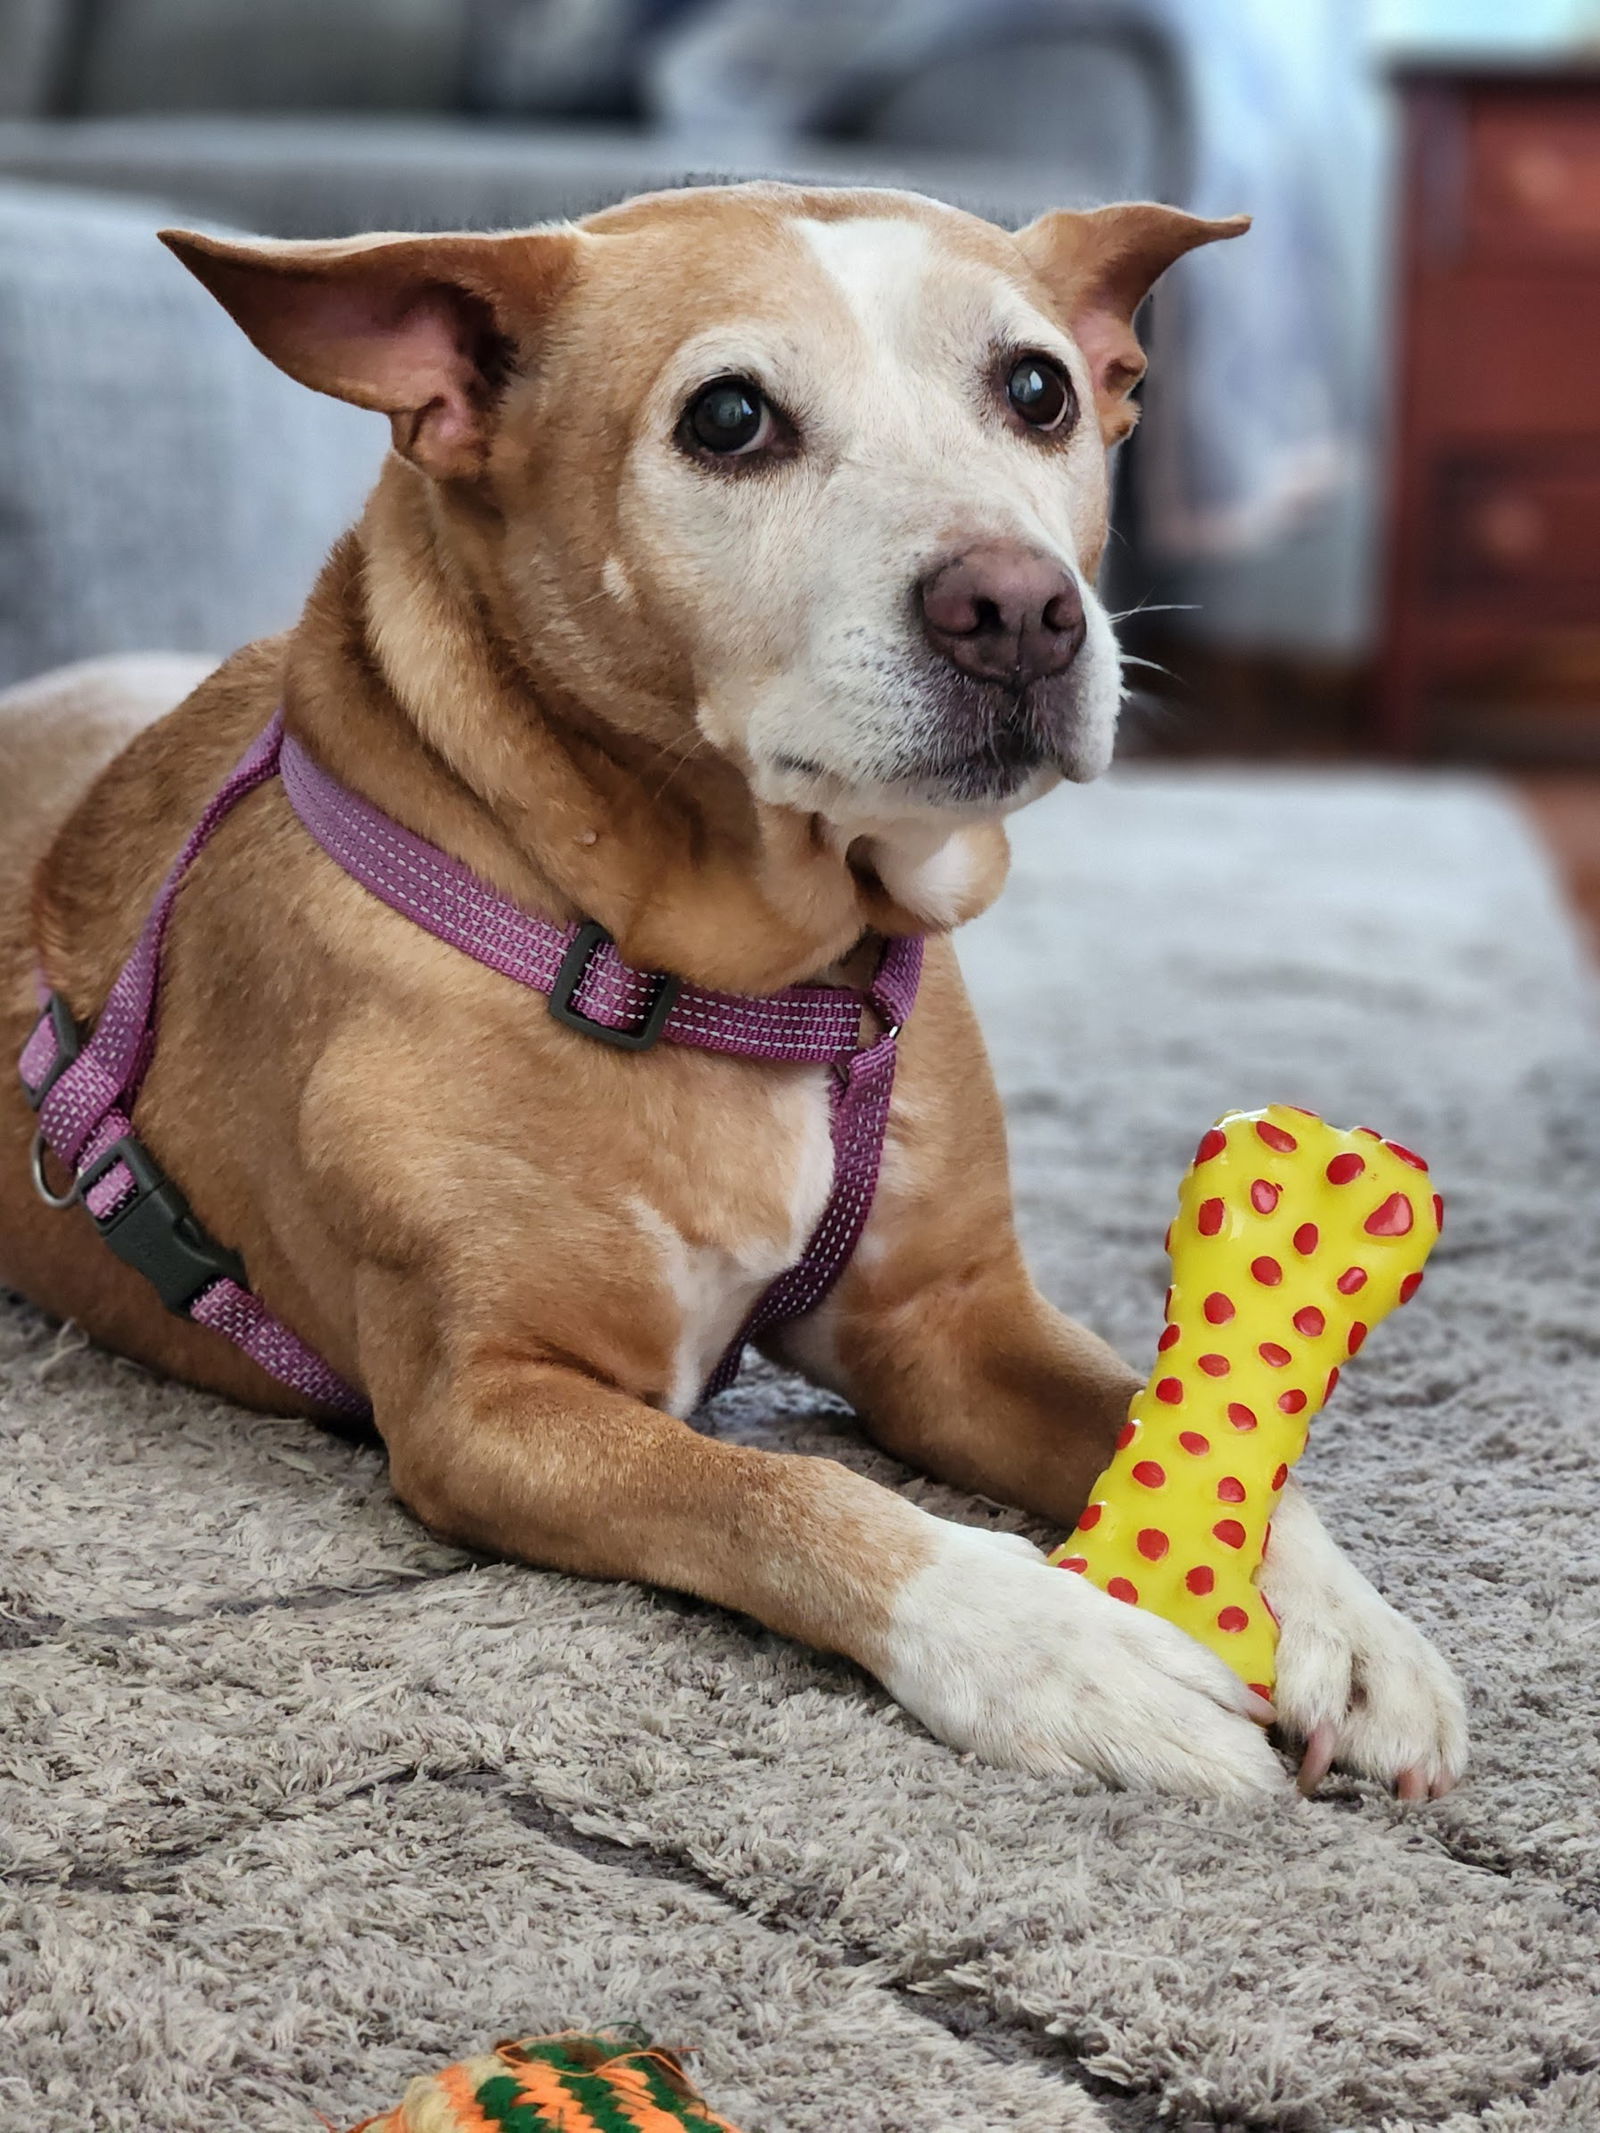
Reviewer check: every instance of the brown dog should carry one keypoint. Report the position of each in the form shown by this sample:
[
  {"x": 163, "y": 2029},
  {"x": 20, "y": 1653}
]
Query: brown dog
[{"x": 730, "y": 580}]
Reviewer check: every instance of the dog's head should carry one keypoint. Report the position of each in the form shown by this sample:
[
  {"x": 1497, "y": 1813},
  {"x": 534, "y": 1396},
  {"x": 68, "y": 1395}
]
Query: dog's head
[{"x": 816, "y": 478}]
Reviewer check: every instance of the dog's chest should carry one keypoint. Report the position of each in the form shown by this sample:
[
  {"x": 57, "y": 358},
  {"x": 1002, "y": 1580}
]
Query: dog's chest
[{"x": 717, "y": 1249}]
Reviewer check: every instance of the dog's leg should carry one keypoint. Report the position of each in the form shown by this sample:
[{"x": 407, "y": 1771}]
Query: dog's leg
[
  {"x": 970, "y": 1630},
  {"x": 974, "y": 1378},
  {"x": 1356, "y": 1682}
]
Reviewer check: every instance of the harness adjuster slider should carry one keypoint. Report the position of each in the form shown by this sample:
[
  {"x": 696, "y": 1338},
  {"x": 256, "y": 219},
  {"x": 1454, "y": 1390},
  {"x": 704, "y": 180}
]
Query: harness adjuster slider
[
  {"x": 68, "y": 1045},
  {"x": 586, "y": 944},
  {"x": 155, "y": 1231}
]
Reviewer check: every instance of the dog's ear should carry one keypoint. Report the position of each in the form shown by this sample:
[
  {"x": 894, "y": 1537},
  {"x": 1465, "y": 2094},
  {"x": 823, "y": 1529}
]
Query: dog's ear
[
  {"x": 1098, "y": 266},
  {"x": 423, "y": 329}
]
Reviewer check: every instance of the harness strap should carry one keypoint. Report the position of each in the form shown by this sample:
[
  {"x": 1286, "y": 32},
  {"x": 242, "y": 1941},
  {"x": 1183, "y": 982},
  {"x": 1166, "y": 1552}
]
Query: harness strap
[
  {"x": 606, "y": 999},
  {"x": 83, "y": 1091}
]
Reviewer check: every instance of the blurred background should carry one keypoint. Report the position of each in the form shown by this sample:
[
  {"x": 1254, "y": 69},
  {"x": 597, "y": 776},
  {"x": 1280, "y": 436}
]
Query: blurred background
[{"x": 1362, "y": 513}]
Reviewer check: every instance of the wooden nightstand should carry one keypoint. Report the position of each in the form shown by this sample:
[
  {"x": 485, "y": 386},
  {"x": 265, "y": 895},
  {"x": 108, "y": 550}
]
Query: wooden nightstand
[{"x": 1491, "y": 634}]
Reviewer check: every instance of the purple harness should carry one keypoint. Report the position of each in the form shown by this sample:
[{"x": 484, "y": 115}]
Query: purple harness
[{"x": 84, "y": 1089}]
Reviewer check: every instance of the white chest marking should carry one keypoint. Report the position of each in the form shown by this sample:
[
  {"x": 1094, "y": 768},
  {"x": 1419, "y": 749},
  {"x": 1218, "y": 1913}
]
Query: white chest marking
[{"x": 715, "y": 1279}]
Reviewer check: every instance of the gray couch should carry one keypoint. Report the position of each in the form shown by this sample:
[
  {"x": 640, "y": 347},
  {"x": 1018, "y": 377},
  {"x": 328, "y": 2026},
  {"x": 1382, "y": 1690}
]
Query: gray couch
[{"x": 160, "y": 485}]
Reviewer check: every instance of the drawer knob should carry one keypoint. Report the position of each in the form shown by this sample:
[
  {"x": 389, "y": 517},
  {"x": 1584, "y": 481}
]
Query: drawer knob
[
  {"x": 1538, "y": 177},
  {"x": 1509, "y": 529}
]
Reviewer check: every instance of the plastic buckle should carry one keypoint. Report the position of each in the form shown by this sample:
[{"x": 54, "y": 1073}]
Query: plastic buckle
[
  {"x": 68, "y": 1044},
  {"x": 155, "y": 1232},
  {"x": 586, "y": 945}
]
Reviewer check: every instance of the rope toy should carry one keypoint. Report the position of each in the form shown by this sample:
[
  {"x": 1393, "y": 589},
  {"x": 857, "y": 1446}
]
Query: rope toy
[
  {"x": 1292, "y": 1240},
  {"x": 613, "y": 2081}
]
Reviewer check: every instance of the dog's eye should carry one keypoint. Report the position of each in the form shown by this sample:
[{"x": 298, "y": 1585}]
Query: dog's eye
[
  {"x": 729, "y": 416},
  {"x": 1041, "y": 393}
]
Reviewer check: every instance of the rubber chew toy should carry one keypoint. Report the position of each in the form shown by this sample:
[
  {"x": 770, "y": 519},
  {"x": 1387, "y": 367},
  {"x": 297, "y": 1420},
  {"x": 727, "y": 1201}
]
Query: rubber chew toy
[
  {"x": 1292, "y": 1239},
  {"x": 612, "y": 2082}
]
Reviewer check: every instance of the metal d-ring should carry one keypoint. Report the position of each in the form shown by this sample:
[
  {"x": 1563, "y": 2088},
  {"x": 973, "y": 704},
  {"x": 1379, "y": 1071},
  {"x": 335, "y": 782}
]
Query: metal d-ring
[{"x": 41, "y": 1184}]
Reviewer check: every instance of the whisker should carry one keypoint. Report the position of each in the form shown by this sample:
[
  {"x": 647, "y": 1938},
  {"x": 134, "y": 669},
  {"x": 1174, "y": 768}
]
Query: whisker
[
  {"x": 702, "y": 741},
  {"x": 1132, "y": 659},
  {"x": 1162, "y": 607}
]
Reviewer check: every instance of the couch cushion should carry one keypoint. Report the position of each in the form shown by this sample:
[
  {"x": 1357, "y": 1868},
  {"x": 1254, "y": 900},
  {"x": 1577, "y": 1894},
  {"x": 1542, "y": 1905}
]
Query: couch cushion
[
  {"x": 33, "y": 51},
  {"x": 161, "y": 486},
  {"x": 292, "y": 55}
]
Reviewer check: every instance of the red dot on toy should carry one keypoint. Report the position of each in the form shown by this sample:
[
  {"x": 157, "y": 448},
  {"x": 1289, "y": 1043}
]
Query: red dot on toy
[
  {"x": 1410, "y": 1286},
  {"x": 1271, "y": 1352},
  {"x": 1209, "y": 1219},
  {"x": 1438, "y": 1212},
  {"x": 1218, "y": 1308},
  {"x": 1333, "y": 1379},
  {"x": 1229, "y": 1532},
  {"x": 1170, "y": 1338},
  {"x": 1280, "y": 1477},
  {"x": 1352, "y": 1279},
  {"x": 1345, "y": 1167},
  {"x": 1406, "y": 1155},
  {"x": 1166, "y": 1240},
  {"x": 1129, "y": 1431},
  {"x": 1233, "y": 1618},
  {"x": 1212, "y": 1142},
  {"x": 1291, "y": 1403},
  {"x": 1170, "y": 1392},
  {"x": 1153, "y": 1543},
  {"x": 1090, "y": 1516},
  {"x": 1149, "y": 1474},
  {"x": 1310, "y": 1322},
  {"x": 1267, "y": 1272},
  {"x": 1275, "y": 1137},
  {"x": 1201, "y": 1579},
  {"x": 1240, "y": 1416},
  {"x": 1259, "y": 1688},
  {"x": 1231, "y": 1489},
  {"x": 1264, "y": 1196},
  {"x": 1215, "y": 1366},
  {"x": 1192, "y": 1441},
  {"x": 1306, "y": 1239},
  {"x": 1358, "y": 1334},
  {"x": 1124, "y": 1589},
  {"x": 1393, "y": 1219},
  {"x": 1073, "y": 1562}
]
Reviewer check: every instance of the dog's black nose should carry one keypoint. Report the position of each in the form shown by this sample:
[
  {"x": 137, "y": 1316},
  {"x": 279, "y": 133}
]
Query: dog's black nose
[{"x": 1004, "y": 613}]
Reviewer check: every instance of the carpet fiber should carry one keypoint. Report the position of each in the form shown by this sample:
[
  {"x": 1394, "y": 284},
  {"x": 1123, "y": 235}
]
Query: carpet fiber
[{"x": 297, "y": 1802}]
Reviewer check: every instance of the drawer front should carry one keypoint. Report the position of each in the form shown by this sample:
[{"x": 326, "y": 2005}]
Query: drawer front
[
  {"x": 1506, "y": 354},
  {"x": 1523, "y": 525},
  {"x": 1533, "y": 172}
]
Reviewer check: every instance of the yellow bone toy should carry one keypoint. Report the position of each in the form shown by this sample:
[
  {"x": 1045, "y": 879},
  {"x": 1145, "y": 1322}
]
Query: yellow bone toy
[{"x": 1292, "y": 1240}]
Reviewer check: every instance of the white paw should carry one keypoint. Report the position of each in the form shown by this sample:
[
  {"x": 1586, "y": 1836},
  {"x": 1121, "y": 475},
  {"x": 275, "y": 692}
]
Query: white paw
[
  {"x": 1036, "y": 1669},
  {"x": 1356, "y": 1682}
]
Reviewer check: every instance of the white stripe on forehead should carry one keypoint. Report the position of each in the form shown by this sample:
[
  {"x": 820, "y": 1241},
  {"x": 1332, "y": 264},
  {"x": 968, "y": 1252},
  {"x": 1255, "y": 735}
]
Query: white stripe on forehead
[
  {"x": 879, "y": 264},
  {"x": 883, "y": 266}
]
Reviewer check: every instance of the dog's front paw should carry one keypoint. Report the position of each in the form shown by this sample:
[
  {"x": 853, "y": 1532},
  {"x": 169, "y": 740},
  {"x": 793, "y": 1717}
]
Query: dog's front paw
[
  {"x": 1357, "y": 1684},
  {"x": 1036, "y": 1669}
]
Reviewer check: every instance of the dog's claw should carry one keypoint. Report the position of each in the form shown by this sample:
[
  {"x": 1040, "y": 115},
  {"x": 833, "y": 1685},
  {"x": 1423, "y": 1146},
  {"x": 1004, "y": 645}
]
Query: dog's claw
[
  {"x": 1412, "y": 1785},
  {"x": 1318, "y": 1758}
]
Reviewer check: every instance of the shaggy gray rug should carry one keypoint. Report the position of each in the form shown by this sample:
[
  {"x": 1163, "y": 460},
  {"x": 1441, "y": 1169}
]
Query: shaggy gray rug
[{"x": 298, "y": 1802}]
